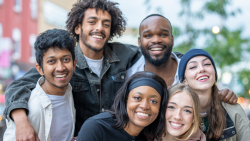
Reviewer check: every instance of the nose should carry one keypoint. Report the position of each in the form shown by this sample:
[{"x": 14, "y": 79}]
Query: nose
[
  {"x": 178, "y": 115},
  {"x": 144, "y": 105},
  {"x": 60, "y": 66},
  {"x": 156, "y": 39},
  {"x": 201, "y": 68},
  {"x": 99, "y": 26}
]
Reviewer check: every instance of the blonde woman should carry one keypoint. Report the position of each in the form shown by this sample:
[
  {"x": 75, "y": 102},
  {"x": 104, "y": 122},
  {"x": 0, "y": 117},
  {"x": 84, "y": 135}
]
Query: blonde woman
[{"x": 182, "y": 115}]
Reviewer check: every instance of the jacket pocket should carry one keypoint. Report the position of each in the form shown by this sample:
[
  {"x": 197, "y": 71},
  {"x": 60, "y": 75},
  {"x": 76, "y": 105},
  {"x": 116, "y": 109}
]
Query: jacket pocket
[{"x": 118, "y": 80}]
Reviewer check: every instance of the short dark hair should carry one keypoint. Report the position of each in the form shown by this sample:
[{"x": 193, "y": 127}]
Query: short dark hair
[
  {"x": 76, "y": 15},
  {"x": 151, "y": 16},
  {"x": 53, "y": 38},
  {"x": 157, "y": 127}
]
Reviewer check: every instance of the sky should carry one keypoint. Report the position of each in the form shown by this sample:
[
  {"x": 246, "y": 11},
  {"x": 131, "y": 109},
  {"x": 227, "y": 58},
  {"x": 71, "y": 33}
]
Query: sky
[{"x": 136, "y": 10}]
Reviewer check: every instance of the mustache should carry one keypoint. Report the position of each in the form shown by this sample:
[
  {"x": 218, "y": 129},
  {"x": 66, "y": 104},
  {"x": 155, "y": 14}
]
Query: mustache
[
  {"x": 149, "y": 46},
  {"x": 94, "y": 33}
]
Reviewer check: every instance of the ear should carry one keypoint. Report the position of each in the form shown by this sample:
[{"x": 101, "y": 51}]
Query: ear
[
  {"x": 185, "y": 82},
  {"x": 39, "y": 69},
  {"x": 78, "y": 29},
  {"x": 139, "y": 41},
  {"x": 74, "y": 64},
  {"x": 172, "y": 40}
]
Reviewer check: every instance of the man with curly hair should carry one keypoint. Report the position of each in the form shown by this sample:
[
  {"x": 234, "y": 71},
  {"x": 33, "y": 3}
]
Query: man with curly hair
[{"x": 100, "y": 69}]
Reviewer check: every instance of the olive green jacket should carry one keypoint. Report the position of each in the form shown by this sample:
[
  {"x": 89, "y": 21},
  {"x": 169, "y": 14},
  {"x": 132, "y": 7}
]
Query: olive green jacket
[{"x": 241, "y": 124}]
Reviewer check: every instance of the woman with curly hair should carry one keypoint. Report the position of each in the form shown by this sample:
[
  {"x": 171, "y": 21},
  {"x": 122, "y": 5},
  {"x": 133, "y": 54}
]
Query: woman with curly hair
[{"x": 136, "y": 111}]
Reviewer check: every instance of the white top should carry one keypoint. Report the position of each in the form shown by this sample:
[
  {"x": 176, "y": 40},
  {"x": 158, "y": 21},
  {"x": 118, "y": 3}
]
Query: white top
[
  {"x": 139, "y": 66},
  {"x": 95, "y": 65},
  {"x": 41, "y": 115},
  {"x": 61, "y": 118}
]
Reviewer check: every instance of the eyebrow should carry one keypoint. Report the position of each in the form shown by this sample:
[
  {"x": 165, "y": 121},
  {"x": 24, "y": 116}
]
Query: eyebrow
[
  {"x": 196, "y": 61},
  {"x": 92, "y": 17},
  {"x": 166, "y": 30},
  {"x": 162, "y": 29},
  {"x": 184, "y": 106},
  {"x": 54, "y": 57}
]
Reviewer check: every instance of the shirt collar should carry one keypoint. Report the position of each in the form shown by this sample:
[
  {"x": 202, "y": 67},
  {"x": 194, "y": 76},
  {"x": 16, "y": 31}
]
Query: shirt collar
[{"x": 109, "y": 55}]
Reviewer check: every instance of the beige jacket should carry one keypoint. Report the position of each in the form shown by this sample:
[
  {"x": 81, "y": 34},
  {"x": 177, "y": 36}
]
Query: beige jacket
[{"x": 241, "y": 123}]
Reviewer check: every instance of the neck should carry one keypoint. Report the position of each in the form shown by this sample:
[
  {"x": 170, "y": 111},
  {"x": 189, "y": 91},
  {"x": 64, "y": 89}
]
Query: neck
[
  {"x": 166, "y": 71},
  {"x": 95, "y": 55},
  {"x": 133, "y": 130},
  {"x": 205, "y": 98},
  {"x": 53, "y": 90},
  {"x": 169, "y": 137}
]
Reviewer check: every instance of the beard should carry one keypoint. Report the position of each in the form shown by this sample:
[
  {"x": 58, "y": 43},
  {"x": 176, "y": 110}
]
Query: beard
[
  {"x": 158, "y": 61},
  {"x": 84, "y": 40}
]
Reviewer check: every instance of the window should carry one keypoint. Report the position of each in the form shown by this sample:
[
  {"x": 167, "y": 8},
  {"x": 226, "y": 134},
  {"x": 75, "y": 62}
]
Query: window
[
  {"x": 32, "y": 40},
  {"x": 17, "y": 6},
  {"x": 33, "y": 8},
  {"x": 16, "y": 35}
]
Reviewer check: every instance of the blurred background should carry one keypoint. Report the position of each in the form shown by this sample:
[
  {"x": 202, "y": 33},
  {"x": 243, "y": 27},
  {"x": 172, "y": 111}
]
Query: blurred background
[{"x": 219, "y": 26}]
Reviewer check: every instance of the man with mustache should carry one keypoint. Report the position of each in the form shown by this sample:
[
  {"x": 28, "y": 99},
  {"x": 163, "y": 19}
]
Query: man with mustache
[
  {"x": 100, "y": 69},
  {"x": 156, "y": 42}
]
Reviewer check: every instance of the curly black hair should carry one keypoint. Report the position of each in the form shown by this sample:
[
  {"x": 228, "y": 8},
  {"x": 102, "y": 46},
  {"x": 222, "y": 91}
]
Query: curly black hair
[
  {"x": 76, "y": 15},
  {"x": 53, "y": 38}
]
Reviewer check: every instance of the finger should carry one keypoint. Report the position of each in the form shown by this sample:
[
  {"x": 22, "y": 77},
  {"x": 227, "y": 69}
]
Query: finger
[
  {"x": 222, "y": 93},
  {"x": 37, "y": 138},
  {"x": 228, "y": 96},
  {"x": 231, "y": 100}
]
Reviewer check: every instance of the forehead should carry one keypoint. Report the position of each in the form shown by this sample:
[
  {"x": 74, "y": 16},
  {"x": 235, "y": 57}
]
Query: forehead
[
  {"x": 100, "y": 14},
  {"x": 182, "y": 99},
  {"x": 56, "y": 52},
  {"x": 154, "y": 23}
]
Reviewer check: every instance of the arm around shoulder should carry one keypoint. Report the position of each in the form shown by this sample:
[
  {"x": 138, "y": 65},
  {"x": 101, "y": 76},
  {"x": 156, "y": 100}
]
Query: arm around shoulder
[
  {"x": 90, "y": 131},
  {"x": 18, "y": 92}
]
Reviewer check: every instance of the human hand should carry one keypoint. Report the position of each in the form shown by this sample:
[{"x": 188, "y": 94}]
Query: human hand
[
  {"x": 74, "y": 139},
  {"x": 24, "y": 130},
  {"x": 228, "y": 96}
]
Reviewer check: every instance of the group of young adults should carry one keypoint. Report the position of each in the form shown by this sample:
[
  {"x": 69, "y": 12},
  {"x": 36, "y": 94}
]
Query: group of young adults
[{"x": 111, "y": 91}]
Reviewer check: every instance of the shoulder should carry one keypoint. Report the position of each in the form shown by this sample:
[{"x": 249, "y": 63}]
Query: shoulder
[
  {"x": 119, "y": 47},
  {"x": 233, "y": 110}
]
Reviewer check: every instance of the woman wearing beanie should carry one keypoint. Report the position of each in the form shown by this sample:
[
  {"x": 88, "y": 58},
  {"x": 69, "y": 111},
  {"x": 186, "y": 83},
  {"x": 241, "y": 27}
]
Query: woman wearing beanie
[{"x": 220, "y": 121}]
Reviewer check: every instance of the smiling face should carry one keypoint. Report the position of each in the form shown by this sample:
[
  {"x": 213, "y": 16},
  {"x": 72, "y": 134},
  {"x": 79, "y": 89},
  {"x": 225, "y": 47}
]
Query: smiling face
[
  {"x": 179, "y": 114},
  {"x": 156, "y": 40},
  {"x": 95, "y": 29},
  {"x": 58, "y": 67},
  {"x": 200, "y": 73},
  {"x": 143, "y": 106}
]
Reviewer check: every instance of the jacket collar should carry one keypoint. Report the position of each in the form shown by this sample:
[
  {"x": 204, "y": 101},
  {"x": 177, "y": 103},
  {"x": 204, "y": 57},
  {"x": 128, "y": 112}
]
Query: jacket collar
[
  {"x": 109, "y": 55},
  {"x": 230, "y": 130}
]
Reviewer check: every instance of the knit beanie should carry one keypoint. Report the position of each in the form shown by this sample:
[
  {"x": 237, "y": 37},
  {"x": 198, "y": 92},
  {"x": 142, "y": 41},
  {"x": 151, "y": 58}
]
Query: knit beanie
[{"x": 189, "y": 55}]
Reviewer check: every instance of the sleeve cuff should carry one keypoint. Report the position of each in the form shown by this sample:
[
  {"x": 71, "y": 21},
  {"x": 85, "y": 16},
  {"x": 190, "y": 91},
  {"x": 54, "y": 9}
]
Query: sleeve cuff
[{"x": 21, "y": 104}]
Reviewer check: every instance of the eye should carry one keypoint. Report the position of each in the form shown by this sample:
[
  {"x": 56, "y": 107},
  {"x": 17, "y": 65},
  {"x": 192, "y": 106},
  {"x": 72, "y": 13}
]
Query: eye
[
  {"x": 163, "y": 35},
  {"x": 207, "y": 64},
  {"x": 137, "y": 98},
  {"x": 106, "y": 25},
  {"x": 66, "y": 59},
  {"x": 91, "y": 22},
  {"x": 50, "y": 61},
  {"x": 188, "y": 111},
  {"x": 147, "y": 36},
  {"x": 170, "y": 107},
  {"x": 154, "y": 101},
  {"x": 192, "y": 67}
]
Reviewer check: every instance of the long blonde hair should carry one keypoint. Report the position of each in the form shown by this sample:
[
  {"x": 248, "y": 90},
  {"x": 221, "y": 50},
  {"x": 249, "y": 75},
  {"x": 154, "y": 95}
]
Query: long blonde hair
[{"x": 196, "y": 106}]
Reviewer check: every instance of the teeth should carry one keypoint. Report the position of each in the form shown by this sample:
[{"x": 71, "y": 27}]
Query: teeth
[
  {"x": 202, "y": 78},
  {"x": 96, "y": 36},
  {"x": 175, "y": 124},
  {"x": 60, "y": 75},
  {"x": 142, "y": 114},
  {"x": 156, "y": 49}
]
